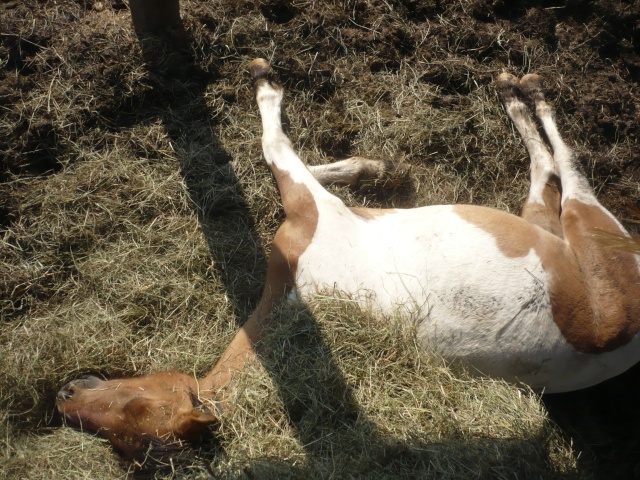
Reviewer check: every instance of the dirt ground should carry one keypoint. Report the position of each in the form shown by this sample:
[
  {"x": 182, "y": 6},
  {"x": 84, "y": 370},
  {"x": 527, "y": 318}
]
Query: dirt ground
[{"x": 406, "y": 80}]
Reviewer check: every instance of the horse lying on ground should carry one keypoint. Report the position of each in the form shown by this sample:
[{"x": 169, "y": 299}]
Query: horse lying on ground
[{"x": 536, "y": 299}]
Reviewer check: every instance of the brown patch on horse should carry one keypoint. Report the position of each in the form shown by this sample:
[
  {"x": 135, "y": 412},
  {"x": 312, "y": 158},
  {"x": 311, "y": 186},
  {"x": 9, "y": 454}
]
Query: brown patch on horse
[
  {"x": 595, "y": 296},
  {"x": 612, "y": 282}
]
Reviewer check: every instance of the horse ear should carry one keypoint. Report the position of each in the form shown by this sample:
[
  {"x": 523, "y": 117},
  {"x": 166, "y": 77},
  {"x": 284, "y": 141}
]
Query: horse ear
[
  {"x": 203, "y": 418},
  {"x": 194, "y": 423}
]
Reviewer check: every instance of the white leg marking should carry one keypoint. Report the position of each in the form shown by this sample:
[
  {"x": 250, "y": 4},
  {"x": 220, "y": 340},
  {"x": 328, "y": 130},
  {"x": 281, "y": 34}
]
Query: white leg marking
[
  {"x": 542, "y": 163},
  {"x": 277, "y": 148},
  {"x": 574, "y": 185}
]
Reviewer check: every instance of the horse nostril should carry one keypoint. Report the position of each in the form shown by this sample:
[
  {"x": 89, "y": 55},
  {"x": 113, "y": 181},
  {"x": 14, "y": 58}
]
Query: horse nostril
[{"x": 66, "y": 392}]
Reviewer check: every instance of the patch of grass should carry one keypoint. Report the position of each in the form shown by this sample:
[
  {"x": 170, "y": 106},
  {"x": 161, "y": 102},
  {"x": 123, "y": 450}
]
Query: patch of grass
[
  {"x": 338, "y": 393},
  {"x": 136, "y": 214}
]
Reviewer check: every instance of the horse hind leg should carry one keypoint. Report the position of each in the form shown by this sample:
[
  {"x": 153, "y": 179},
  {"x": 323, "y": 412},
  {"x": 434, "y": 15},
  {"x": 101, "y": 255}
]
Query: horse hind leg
[
  {"x": 611, "y": 276},
  {"x": 542, "y": 206},
  {"x": 578, "y": 201}
]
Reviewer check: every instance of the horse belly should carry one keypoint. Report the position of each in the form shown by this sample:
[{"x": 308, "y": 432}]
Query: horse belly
[{"x": 472, "y": 303}]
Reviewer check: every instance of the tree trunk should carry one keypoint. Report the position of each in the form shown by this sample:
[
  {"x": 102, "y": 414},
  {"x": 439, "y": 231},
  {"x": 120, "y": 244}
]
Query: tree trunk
[{"x": 151, "y": 15}]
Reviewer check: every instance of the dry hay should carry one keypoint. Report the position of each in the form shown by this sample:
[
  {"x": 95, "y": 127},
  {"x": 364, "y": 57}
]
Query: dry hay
[{"x": 136, "y": 215}]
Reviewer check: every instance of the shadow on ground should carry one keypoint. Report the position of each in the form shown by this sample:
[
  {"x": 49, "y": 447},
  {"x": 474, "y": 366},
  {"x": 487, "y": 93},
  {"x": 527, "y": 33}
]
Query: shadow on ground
[
  {"x": 178, "y": 92},
  {"x": 603, "y": 423}
]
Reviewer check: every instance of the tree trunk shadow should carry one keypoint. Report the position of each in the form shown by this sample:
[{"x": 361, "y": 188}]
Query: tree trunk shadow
[{"x": 178, "y": 100}]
